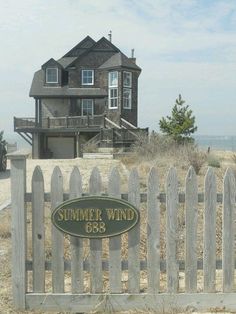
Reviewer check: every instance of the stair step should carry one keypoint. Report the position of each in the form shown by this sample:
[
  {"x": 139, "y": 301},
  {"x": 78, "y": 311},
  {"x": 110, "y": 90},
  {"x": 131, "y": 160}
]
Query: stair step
[{"x": 98, "y": 155}]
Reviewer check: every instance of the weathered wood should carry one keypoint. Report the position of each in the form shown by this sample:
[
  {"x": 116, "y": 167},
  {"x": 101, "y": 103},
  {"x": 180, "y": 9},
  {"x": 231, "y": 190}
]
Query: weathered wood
[
  {"x": 171, "y": 231},
  {"x": 228, "y": 247},
  {"x": 114, "y": 242},
  {"x": 110, "y": 303},
  {"x": 95, "y": 186},
  {"x": 191, "y": 214},
  {"x": 38, "y": 231},
  {"x": 19, "y": 238},
  {"x": 77, "y": 274},
  {"x": 124, "y": 265},
  {"x": 57, "y": 236},
  {"x": 153, "y": 233},
  {"x": 143, "y": 197},
  {"x": 134, "y": 237},
  {"x": 209, "y": 250}
]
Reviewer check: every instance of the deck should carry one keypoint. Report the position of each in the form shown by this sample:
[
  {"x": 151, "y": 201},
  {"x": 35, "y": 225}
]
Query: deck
[{"x": 68, "y": 122}]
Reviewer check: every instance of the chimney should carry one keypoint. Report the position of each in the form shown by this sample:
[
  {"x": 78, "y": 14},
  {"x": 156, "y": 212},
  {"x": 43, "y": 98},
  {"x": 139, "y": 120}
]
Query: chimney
[
  {"x": 110, "y": 36},
  {"x": 132, "y": 58}
]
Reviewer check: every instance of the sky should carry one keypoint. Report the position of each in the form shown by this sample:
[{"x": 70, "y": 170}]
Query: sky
[{"x": 185, "y": 47}]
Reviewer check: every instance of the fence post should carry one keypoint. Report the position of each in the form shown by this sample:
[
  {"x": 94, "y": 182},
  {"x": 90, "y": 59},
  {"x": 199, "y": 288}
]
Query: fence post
[{"x": 19, "y": 244}]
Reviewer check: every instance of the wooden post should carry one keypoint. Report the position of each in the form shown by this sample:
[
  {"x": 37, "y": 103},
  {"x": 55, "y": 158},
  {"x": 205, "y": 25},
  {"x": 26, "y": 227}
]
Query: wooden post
[
  {"x": 87, "y": 120},
  {"x": 40, "y": 112},
  {"x": 19, "y": 239}
]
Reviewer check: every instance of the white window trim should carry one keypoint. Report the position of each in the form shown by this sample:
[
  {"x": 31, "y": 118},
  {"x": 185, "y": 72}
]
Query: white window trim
[
  {"x": 130, "y": 79},
  {"x": 83, "y": 77},
  {"x": 82, "y": 105},
  {"x": 109, "y": 83},
  {"x": 50, "y": 82},
  {"x": 130, "y": 106},
  {"x": 113, "y": 98}
]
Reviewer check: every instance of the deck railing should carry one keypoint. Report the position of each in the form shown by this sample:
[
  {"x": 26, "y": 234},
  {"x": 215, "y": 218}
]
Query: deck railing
[{"x": 60, "y": 122}]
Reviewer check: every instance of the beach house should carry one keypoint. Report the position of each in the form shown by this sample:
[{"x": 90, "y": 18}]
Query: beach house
[{"x": 88, "y": 95}]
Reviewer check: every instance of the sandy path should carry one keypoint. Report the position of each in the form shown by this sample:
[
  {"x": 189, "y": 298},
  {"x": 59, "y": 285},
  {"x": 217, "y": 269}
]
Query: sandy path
[{"x": 66, "y": 165}]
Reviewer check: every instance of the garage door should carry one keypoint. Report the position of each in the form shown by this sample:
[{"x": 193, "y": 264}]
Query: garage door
[{"x": 61, "y": 147}]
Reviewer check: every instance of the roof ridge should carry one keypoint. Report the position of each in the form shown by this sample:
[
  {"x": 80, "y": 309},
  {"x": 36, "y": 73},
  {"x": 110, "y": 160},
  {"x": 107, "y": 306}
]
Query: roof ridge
[
  {"x": 94, "y": 46},
  {"x": 79, "y": 45}
]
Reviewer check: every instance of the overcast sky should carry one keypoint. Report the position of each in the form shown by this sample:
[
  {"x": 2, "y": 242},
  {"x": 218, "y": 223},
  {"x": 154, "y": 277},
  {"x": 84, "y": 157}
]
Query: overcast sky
[{"x": 182, "y": 46}]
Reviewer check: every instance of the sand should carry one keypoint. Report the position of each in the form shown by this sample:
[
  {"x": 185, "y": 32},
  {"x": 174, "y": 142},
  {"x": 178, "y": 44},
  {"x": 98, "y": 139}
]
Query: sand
[{"x": 66, "y": 165}]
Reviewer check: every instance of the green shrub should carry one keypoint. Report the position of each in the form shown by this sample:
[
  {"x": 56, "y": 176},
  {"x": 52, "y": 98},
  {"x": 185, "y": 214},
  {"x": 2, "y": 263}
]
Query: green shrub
[{"x": 213, "y": 161}]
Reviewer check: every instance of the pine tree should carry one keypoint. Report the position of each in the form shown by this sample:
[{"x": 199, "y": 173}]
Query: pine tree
[{"x": 181, "y": 124}]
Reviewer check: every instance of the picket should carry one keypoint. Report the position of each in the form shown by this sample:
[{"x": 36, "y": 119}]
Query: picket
[
  {"x": 114, "y": 242},
  {"x": 77, "y": 273},
  {"x": 134, "y": 237},
  {"x": 19, "y": 238},
  {"x": 95, "y": 187},
  {"x": 209, "y": 251},
  {"x": 98, "y": 298},
  {"x": 38, "y": 232},
  {"x": 228, "y": 231},
  {"x": 57, "y": 236},
  {"x": 191, "y": 215},
  {"x": 171, "y": 231},
  {"x": 153, "y": 234}
]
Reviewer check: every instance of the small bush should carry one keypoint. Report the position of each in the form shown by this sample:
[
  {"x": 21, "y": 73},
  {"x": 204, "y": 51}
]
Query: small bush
[
  {"x": 213, "y": 161},
  {"x": 196, "y": 159},
  {"x": 149, "y": 147}
]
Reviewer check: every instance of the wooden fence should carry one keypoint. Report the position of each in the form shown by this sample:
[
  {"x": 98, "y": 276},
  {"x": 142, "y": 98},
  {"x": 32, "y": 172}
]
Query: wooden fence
[{"x": 129, "y": 271}]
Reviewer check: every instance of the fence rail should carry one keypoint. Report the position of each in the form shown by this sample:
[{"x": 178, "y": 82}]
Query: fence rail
[{"x": 142, "y": 269}]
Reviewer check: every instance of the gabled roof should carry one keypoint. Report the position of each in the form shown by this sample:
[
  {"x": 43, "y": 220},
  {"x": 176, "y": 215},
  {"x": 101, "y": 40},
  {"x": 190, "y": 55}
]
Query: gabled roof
[
  {"x": 51, "y": 62},
  {"x": 119, "y": 60},
  {"x": 102, "y": 44},
  {"x": 81, "y": 47}
]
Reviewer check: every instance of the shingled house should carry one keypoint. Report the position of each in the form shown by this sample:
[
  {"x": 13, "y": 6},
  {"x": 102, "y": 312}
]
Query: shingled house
[{"x": 90, "y": 94}]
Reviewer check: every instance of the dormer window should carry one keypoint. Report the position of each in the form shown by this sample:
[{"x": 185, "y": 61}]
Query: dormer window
[
  {"x": 51, "y": 75},
  {"x": 87, "y": 77}
]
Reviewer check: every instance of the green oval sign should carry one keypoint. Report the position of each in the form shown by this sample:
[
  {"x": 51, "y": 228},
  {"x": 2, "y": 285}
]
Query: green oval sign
[{"x": 95, "y": 217}]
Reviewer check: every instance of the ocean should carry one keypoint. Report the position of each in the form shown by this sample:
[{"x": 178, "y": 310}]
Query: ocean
[{"x": 216, "y": 142}]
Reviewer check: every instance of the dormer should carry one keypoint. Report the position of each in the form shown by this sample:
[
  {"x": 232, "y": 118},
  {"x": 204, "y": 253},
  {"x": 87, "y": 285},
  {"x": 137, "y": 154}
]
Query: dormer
[{"x": 52, "y": 73}]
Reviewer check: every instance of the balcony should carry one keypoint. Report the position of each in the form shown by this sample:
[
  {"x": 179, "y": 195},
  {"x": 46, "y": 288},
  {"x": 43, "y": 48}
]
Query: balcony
[{"x": 68, "y": 122}]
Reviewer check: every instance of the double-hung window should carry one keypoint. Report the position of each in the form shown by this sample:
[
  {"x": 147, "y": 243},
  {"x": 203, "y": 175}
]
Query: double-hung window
[
  {"x": 51, "y": 75},
  {"x": 113, "y": 89},
  {"x": 127, "y": 96},
  {"x": 87, "y": 77},
  {"x": 127, "y": 79},
  {"x": 87, "y": 107},
  {"x": 127, "y": 90}
]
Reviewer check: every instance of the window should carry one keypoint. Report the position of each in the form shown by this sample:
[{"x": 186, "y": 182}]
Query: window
[
  {"x": 51, "y": 75},
  {"x": 127, "y": 79},
  {"x": 87, "y": 107},
  {"x": 87, "y": 77},
  {"x": 113, "y": 79},
  {"x": 113, "y": 98},
  {"x": 113, "y": 90},
  {"x": 127, "y": 98}
]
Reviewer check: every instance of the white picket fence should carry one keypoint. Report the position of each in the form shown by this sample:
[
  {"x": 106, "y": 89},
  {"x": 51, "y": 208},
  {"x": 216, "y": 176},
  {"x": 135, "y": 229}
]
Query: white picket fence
[{"x": 83, "y": 278}]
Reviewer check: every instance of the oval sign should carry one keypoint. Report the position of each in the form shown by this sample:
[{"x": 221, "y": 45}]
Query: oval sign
[{"x": 95, "y": 217}]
